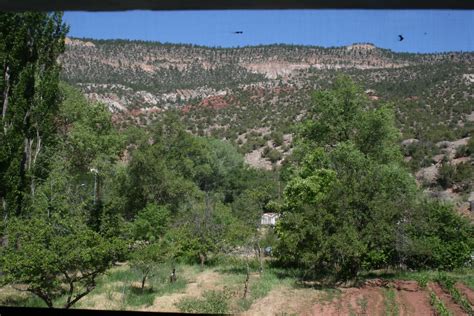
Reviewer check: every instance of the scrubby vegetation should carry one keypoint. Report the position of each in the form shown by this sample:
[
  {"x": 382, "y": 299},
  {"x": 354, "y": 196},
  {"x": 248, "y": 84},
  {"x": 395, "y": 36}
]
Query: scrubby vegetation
[{"x": 131, "y": 214}]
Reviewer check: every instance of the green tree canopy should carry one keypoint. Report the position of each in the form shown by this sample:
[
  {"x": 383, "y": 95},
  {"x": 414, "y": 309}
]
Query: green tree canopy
[
  {"x": 30, "y": 44},
  {"x": 151, "y": 223},
  {"x": 349, "y": 203},
  {"x": 56, "y": 256},
  {"x": 343, "y": 114},
  {"x": 146, "y": 257}
]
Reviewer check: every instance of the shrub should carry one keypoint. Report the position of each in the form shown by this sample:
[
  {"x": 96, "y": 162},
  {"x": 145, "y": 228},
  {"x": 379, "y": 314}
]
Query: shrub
[
  {"x": 272, "y": 154},
  {"x": 446, "y": 175},
  {"x": 277, "y": 138},
  {"x": 470, "y": 146},
  {"x": 462, "y": 151},
  {"x": 438, "y": 238},
  {"x": 464, "y": 176}
]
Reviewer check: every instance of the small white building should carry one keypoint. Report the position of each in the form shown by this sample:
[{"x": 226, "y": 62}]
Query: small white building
[{"x": 269, "y": 219}]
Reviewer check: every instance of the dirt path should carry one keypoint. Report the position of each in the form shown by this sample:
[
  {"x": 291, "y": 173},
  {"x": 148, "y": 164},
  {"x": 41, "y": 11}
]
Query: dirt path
[
  {"x": 206, "y": 280},
  {"x": 447, "y": 300},
  {"x": 283, "y": 300},
  {"x": 466, "y": 291}
]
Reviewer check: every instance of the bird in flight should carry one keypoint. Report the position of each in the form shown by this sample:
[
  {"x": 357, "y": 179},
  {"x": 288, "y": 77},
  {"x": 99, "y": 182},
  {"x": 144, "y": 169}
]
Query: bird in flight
[
  {"x": 400, "y": 38},
  {"x": 238, "y": 32}
]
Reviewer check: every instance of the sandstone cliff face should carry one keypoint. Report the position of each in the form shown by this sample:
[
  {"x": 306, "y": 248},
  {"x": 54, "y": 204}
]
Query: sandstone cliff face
[
  {"x": 132, "y": 76},
  {"x": 135, "y": 76},
  {"x": 152, "y": 74},
  {"x": 76, "y": 42}
]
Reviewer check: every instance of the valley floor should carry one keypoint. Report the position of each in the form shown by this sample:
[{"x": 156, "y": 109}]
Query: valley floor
[{"x": 270, "y": 293}]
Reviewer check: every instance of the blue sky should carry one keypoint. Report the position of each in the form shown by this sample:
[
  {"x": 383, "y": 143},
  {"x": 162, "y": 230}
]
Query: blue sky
[{"x": 423, "y": 30}]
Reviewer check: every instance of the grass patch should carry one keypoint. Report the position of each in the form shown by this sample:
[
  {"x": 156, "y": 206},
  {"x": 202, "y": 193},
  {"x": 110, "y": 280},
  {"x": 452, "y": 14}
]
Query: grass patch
[
  {"x": 465, "y": 275},
  {"x": 118, "y": 282},
  {"x": 157, "y": 285},
  {"x": 329, "y": 294},
  {"x": 260, "y": 287},
  {"x": 447, "y": 283},
  {"x": 469, "y": 281},
  {"x": 20, "y": 299},
  {"x": 235, "y": 265},
  {"x": 423, "y": 276},
  {"x": 391, "y": 306},
  {"x": 124, "y": 282},
  {"x": 12, "y": 297},
  {"x": 234, "y": 272},
  {"x": 244, "y": 304},
  {"x": 212, "y": 302},
  {"x": 439, "y": 305},
  {"x": 362, "y": 303},
  {"x": 138, "y": 297},
  {"x": 352, "y": 312}
]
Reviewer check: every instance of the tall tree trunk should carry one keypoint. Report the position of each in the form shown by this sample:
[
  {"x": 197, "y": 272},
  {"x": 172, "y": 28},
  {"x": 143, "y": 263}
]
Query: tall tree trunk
[
  {"x": 143, "y": 282},
  {"x": 33, "y": 187},
  {"x": 6, "y": 91},
  {"x": 202, "y": 257},
  {"x": 246, "y": 286},
  {"x": 32, "y": 162},
  {"x": 48, "y": 301},
  {"x": 22, "y": 175},
  {"x": 38, "y": 146},
  {"x": 173, "y": 276},
  {"x": 88, "y": 289},
  {"x": 29, "y": 150},
  {"x": 258, "y": 254},
  {"x": 4, "y": 238},
  {"x": 4, "y": 208},
  {"x": 71, "y": 289}
]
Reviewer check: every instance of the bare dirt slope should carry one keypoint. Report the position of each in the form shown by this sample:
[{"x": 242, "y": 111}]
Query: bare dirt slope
[
  {"x": 369, "y": 299},
  {"x": 447, "y": 300}
]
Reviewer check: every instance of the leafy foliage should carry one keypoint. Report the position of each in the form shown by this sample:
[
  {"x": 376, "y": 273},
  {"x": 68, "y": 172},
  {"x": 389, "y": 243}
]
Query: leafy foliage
[
  {"x": 335, "y": 219},
  {"x": 145, "y": 258},
  {"x": 46, "y": 253},
  {"x": 151, "y": 223},
  {"x": 80, "y": 190},
  {"x": 29, "y": 48},
  {"x": 205, "y": 228},
  {"x": 440, "y": 238}
]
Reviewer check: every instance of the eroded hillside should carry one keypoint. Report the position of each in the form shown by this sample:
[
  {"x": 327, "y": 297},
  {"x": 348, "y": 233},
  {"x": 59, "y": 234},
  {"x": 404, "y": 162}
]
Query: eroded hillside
[{"x": 252, "y": 96}]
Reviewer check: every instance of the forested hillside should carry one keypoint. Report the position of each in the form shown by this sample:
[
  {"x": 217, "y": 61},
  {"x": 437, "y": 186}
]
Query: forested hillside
[
  {"x": 105, "y": 207},
  {"x": 253, "y": 97}
]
